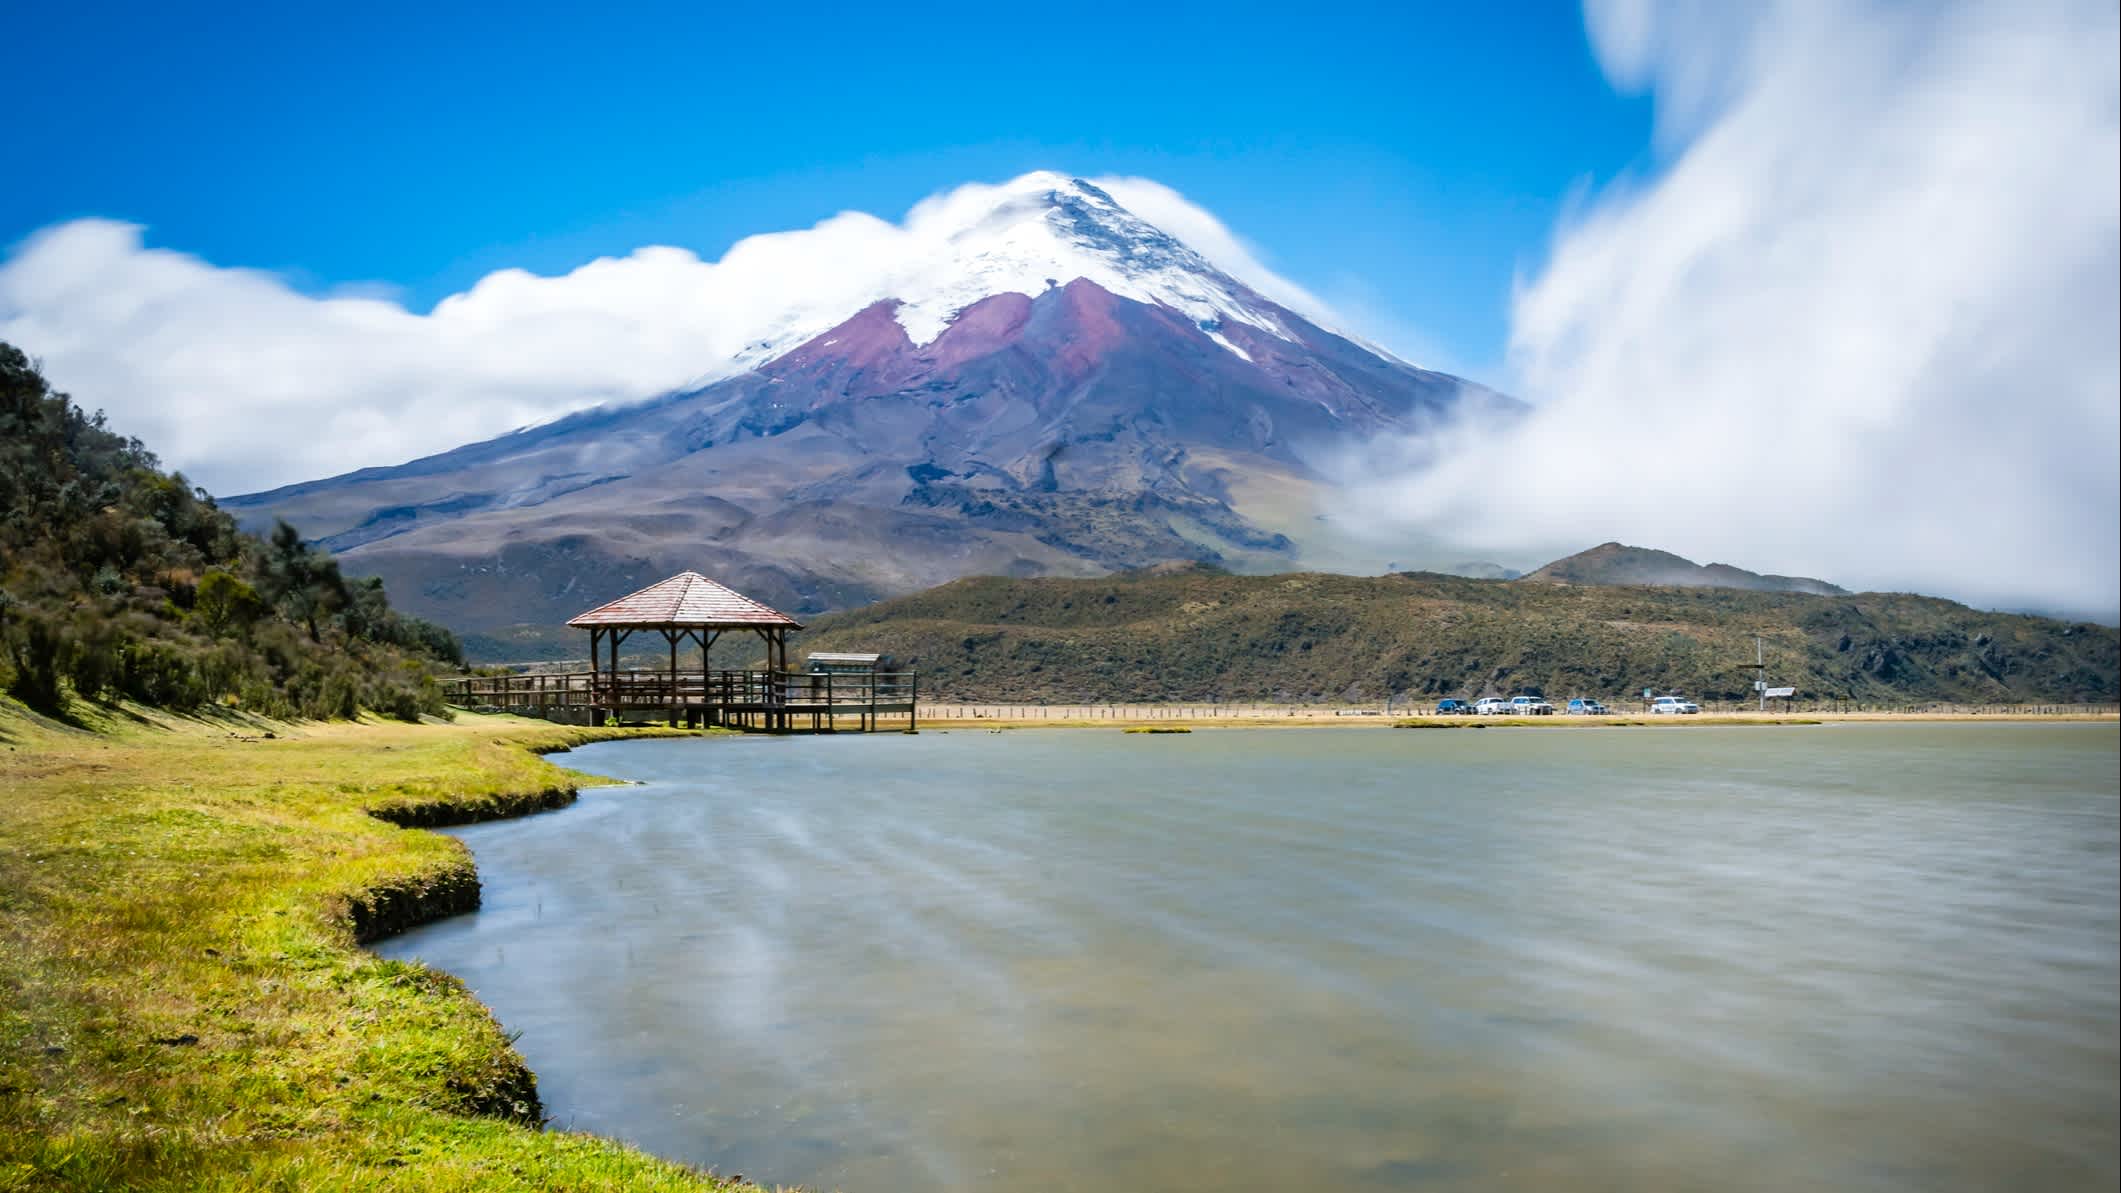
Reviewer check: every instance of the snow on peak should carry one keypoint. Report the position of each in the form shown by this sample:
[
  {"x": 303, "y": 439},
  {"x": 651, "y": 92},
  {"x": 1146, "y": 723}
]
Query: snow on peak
[
  {"x": 1024, "y": 236},
  {"x": 1046, "y": 229}
]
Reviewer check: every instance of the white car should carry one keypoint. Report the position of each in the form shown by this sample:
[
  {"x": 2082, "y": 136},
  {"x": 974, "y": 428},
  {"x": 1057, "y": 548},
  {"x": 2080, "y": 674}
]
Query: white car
[
  {"x": 1674, "y": 705},
  {"x": 1489, "y": 705},
  {"x": 1530, "y": 706}
]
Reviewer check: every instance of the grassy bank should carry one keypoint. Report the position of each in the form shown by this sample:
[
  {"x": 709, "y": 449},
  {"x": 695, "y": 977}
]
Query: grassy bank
[{"x": 184, "y": 1004}]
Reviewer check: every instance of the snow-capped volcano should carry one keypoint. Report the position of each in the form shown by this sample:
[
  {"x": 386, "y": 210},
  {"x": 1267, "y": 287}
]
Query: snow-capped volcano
[
  {"x": 298, "y": 384},
  {"x": 1031, "y": 234},
  {"x": 1027, "y": 379},
  {"x": 1045, "y": 230}
]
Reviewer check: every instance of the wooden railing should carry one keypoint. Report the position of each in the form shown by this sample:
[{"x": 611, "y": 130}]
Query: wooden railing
[{"x": 659, "y": 689}]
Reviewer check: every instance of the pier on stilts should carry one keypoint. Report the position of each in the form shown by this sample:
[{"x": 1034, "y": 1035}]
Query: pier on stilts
[{"x": 689, "y": 610}]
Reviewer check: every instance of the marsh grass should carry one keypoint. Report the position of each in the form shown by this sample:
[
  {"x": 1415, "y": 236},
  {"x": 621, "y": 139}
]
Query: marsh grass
[{"x": 183, "y": 1001}]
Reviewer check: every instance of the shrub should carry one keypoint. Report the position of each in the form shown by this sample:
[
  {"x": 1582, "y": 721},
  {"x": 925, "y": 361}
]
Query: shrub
[{"x": 224, "y": 604}]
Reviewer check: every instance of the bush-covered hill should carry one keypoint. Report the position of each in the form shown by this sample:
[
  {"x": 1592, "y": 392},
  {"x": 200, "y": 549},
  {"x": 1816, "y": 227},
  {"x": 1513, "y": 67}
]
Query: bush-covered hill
[
  {"x": 1198, "y": 634},
  {"x": 119, "y": 581}
]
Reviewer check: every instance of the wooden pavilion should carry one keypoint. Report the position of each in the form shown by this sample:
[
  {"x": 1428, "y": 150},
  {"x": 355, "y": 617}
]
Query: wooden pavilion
[
  {"x": 690, "y": 608},
  {"x": 686, "y": 607}
]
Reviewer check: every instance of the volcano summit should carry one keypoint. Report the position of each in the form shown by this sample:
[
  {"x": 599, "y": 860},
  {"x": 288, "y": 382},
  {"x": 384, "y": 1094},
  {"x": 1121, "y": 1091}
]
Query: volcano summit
[{"x": 1060, "y": 388}]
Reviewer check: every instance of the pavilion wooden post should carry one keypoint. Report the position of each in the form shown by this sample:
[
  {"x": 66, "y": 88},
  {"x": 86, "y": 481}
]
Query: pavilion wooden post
[
  {"x": 777, "y": 679},
  {"x": 670, "y": 636},
  {"x": 707, "y": 638},
  {"x": 779, "y": 684},
  {"x": 594, "y": 634},
  {"x": 766, "y": 682}
]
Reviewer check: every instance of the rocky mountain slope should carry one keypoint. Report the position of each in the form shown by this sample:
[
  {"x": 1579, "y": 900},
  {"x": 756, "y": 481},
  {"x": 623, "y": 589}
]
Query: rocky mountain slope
[
  {"x": 1199, "y": 634},
  {"x": 1067, "y": 390}
]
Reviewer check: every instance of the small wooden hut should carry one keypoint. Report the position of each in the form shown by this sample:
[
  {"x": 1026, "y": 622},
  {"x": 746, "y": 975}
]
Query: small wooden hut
[{"x": 830, "y": 663}]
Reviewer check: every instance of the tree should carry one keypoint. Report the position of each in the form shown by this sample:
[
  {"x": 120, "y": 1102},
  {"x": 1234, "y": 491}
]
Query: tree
[
  {"x": 225, "y": 603},
  {"x": 302, "y": 581}
]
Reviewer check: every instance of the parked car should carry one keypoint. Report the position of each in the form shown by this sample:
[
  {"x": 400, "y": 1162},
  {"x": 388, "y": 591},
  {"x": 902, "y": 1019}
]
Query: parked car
[
  {"x": 1673, "y": 705},
  {"x": 1453, "y": 706},
  {"x": 1586, "y": 708},
  {"x": 1530, "y": 706},
  {"x": 1489, "y": 705}
]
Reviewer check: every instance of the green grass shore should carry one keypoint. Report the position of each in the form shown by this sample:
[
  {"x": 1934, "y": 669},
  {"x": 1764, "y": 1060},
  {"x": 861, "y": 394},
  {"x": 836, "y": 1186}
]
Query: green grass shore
[{"x": 184, "y": 1000}]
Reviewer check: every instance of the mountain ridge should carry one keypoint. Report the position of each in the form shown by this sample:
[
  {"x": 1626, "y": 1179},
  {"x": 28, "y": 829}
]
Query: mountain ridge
[{"x": 1614, "y": 563}]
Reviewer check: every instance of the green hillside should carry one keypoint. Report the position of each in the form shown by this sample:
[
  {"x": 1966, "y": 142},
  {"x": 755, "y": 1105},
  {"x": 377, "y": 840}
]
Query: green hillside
[
  {"x": 1200, "y": 634},
  {"x": 119, "y": 581}
]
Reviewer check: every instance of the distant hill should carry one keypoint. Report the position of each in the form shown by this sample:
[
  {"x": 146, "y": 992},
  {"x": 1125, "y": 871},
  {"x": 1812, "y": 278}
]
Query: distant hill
[
  {"x": 1615, "y": 563},
  {"x": 1198, "y": 633},
  {"x": 1480, "y": 570}
]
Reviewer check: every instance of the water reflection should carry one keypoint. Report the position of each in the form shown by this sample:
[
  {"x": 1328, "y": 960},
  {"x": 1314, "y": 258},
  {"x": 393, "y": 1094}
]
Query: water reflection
[{"x": 1850, "y": 957}]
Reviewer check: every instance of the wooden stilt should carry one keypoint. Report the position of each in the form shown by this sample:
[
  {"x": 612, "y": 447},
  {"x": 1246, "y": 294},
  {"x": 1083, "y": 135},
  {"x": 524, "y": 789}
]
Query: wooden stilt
[
  {"x": 594, "y": 635},
  {"x": 671, "y": 637}
]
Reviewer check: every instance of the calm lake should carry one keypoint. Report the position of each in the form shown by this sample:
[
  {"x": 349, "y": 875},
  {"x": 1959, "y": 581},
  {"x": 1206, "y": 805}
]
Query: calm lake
[{"x": 1845, "y": 957}]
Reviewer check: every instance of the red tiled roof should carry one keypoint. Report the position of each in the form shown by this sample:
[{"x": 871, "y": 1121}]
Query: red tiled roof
[{"x": 686, "y": 599}]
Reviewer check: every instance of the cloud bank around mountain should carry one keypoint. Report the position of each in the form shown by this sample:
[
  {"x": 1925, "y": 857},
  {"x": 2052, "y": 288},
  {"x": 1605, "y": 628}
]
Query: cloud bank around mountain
[
  {"x": 245, "y": 382},
  {"x": 1862, "y": 324}
]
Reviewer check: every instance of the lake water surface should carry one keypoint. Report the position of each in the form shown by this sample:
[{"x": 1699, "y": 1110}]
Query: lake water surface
[{"x": 1842, "y": 957}]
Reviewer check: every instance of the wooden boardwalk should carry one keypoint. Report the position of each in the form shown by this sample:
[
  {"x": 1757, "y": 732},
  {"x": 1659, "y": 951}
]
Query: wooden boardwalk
[{"x": 762, "y": 701}]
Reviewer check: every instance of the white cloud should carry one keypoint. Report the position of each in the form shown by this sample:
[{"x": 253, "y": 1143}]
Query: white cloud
[
  {"x": 245, "y": 382},
  {"x": 1864, "y": 325}
]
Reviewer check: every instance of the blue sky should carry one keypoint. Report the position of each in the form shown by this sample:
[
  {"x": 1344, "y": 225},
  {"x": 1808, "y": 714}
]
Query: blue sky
[
  {"x": 1817, "y": 243},
  {"x": 1405, "y": 161}
]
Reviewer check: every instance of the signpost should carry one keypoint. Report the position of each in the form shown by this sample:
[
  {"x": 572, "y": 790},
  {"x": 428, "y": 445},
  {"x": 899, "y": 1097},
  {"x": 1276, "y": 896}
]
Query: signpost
[{"x": 1760, "y": 683}]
